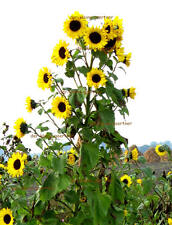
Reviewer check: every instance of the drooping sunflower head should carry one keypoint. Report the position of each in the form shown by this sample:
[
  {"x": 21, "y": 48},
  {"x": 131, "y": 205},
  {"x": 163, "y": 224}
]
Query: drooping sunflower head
[
  {"x": 126, "y": 180},
  {"x": 120, "y": 54},
  {"x": 127, "y": 58},
  {"x": 6, "y": 217},
  {"x": 109, "y": 29},
  {"x": 21, "y": 127},
  {"x": 160, "y": 150},
  {"x": 15, "y": 165},
  {"x": 30, "y": 104},
  {"x": 132, "y": 92},
  {"x": 60, "y": 53},
  {"x": 110, "y": 46},
  {"x": 95, "y": 78},
  {"x": 73, "y": 151},
  {"x": 118, "y": 27},
  {"x": 95, "y": 38},
  {"x": 169, "y": 173},
  {"x": 75, "y": 25},
  {"x": 61, "y": 107},
  {"x": 44, "y": 78}
]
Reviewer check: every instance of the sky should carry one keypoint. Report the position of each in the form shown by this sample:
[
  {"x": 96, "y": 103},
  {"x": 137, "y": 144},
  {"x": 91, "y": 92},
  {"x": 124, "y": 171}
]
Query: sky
[{"x": 30, "y": 30}]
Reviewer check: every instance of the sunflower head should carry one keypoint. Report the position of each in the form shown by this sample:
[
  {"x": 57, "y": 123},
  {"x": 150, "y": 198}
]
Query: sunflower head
[
  {"x": 75, "y": 25},
  {"x": 109, "y": 29},
  {"x": 95, "y": 78},
  {"x": 160, "y": 150},
  {"x": 61, "y": 107},
  {"x": 120, "y": 54},
  {"x": 126, "y": 180},
  {"x": 95, "y": 38},
  {"x": 71, "y": 159},
  {"x": 30, "y": 104},
  {"x": 6, "y": 217},
  {"x": 44, "y": 78},
  {"x": 15, "y": 165},
  {"x": 125, "y": 212},
  {"x": 170, "y": 221},
  {"x": 21, "y": 127},
  {"x": 169, "y": 173},
  {"x": 60, "y": 53},
  {"x": 131, "y": 92},
  {"x": 127, "y": 58}
]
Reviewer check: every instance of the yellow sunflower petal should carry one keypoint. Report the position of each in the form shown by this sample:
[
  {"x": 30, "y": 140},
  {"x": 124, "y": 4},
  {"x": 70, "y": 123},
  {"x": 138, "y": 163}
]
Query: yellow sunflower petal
[{"x": 20, "y": 127}]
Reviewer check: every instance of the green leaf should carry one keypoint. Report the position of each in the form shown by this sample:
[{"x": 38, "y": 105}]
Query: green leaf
[
  {"x": 115, "y": 189},
  {"x": 38, "y": 208},
  {"x": 107, "y": 120},
  {"x": 81, "y": 94},
  {"x": 40, "y": 111},
  {"x": 39, "y": 143},
  {"x": 113, "y": 76},
  {"x": 41, "y": 128},
  {"x": 109, "y": 63},
  {"x": 75, "y": 55},
  {"x": 59, "y": 80},
  {"x": 71, "y": 196},
  {"x": 70, "y": 69},
  {"x": 44, "y": 161},
  {"x": 21, "y": 147},
  {"x": 63, "y": 182},
  {"x": 58, "y": 164},
  {"x": 55, "y": 146},
  {"x": 49, "y": 187},
  {"x": 84, "y": 70},
  {"x": 89, "y": 155},
  {"x": 147, "y": 186}
]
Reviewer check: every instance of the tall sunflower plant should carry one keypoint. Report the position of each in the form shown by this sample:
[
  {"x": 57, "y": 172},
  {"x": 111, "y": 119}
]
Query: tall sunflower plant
[{"x": 90, "y": 183}]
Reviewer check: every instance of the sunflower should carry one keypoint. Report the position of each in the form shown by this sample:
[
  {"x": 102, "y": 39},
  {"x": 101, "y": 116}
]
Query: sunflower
[
  {"x": 20, "y": 127},
  {"x": 15, "y": 165},
  {"x": 129, "y": 92},
  {"x": 83, "y": 199},
  {"x": 59, "y": 153},
  {"x": 95, "y": 38},
  {"x": 108, "y": 28},
  {"x": 75, "y": 25},
  {"x": 95, "y": 78},
  {"x": 2, "y": 166},
  {"x": 127, "y": 58},
  {"x": 126, "y": 180},
  {"x": 110, "y": 46},
  {"x": 61, "y": 107},
  {"x": 44, "y": 78},
  {"x": 120, "y": 54},
  {"x": 60, "y": 53},
  {"x": 139, "y": 181},
  {"x": 133, "y": 155},
  {"x": 30, "y": 104},
  {"x": 0, "y": 179},
  {"x": 160, "y": 150},
  {"x": 118, "y": 27},
  {"x": 6, "y": 217},
  {"x": 170, "y": 221},
  {"x": 72, "y": 156}
]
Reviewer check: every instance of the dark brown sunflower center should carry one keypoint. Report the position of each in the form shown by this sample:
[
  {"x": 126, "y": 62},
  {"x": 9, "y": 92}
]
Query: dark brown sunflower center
[
  {"x": 110, "y": 43},
  {"x": 23, "y": 128},
  {"x": 95, "y": 37},
  {"x": 96, "y": 78},
  {"x": 75, "y": 25},
  {"x": 108, "y": 29},
  {"x": 62, "y": 51},
  {"x": 46, "y": 78},
  {"x": 161, "y": 149},
  {"x": 61, "y": 107},
  {"x": 33, "y": 104},
  {"x": 17, "y": 164},
  {"x": 7, "y": 219},
  {"x": 130, "y": 156},
  {"x": 125, "y": 181}
]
